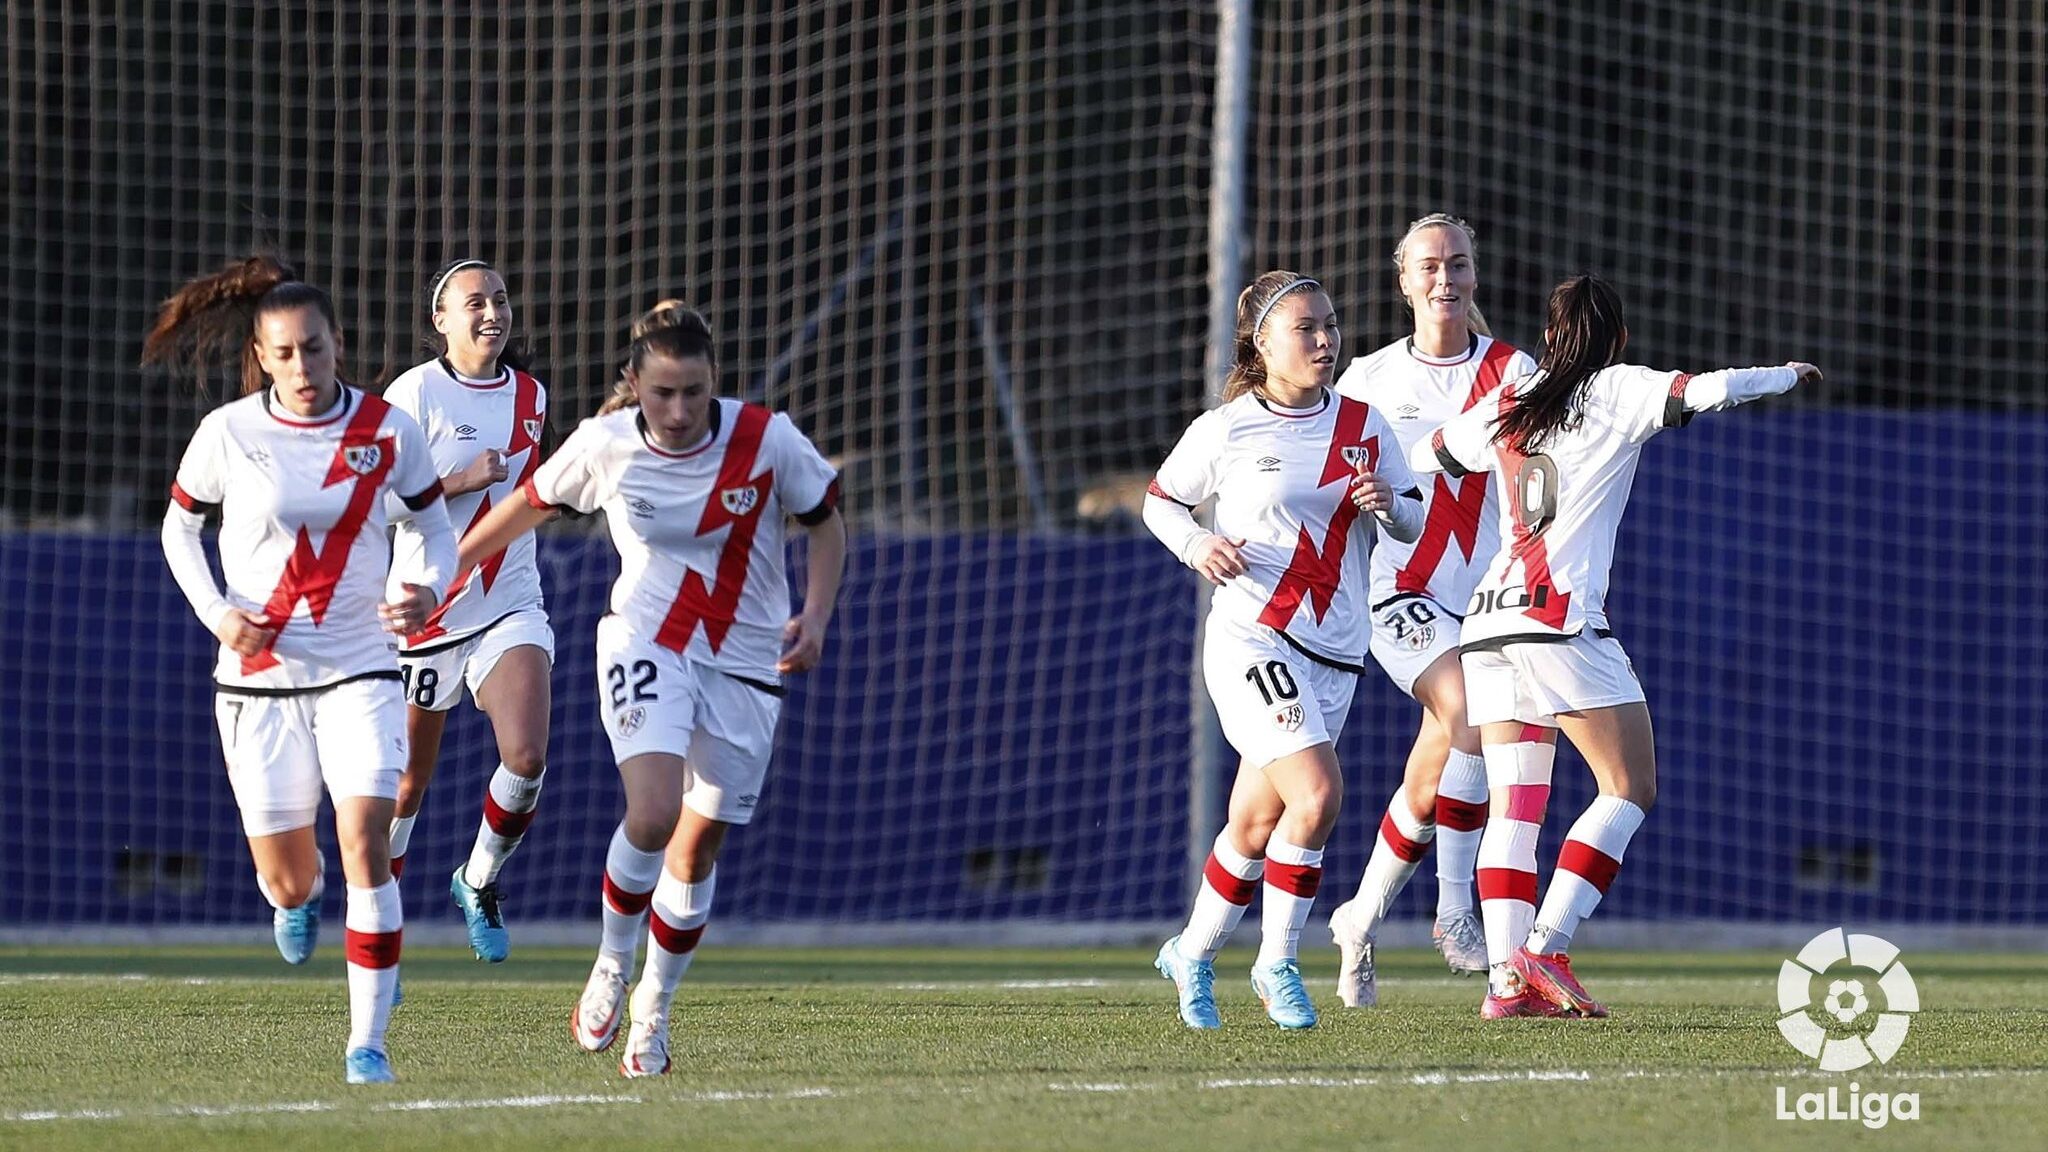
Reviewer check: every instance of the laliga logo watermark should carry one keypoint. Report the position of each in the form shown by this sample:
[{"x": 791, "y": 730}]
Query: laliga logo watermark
[{"x": 1846, "y": 1007}]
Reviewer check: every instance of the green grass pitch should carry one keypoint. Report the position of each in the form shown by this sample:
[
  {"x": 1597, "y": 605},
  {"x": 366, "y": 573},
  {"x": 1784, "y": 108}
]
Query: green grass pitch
[{"x": 175, "y": 1048}]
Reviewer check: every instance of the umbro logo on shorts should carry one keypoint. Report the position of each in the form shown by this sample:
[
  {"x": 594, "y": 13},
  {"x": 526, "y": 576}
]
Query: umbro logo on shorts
[{"x": 747, "y": 801}]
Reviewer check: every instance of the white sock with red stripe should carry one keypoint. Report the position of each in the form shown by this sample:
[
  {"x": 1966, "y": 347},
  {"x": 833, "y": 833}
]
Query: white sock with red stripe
[
  {"x": 629, "y": 877},
  {"x": 1229, "y": 881},
  {"x": 401, "y": 841},
  {"x": 1403, "y": 840},
  {"x": 1585, "y": 867},
  {"x": 376, "y": 923},
  {"x": 508, "y": 809},
  {"x": 1519, "y": 774},
  {"x": 1460, "y": 820},
  {"x": 680, "y": 911},
  {"x": 1292, "y": 875}
]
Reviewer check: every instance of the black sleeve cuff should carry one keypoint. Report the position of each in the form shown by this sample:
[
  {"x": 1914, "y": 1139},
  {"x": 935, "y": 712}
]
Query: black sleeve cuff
[
  {"x": 825, "y": 508},
  {"x": 1452, "y": 468}
]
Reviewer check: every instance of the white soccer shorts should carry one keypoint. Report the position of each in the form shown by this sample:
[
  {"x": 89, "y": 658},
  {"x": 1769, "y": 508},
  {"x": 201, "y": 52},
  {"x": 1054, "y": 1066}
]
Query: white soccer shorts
[
  {"x": 280, "y": 749},
  {"x": 657, "y": 700},
  {"x": 1408, "y": 635},
  {"x": 1273, "y": 700},
  {"x": 1533, "y": 682},
  {"x": 435, "y": 680}
]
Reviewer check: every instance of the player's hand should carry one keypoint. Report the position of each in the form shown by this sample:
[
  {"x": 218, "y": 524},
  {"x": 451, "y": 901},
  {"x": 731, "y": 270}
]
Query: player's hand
[
  {"x": 803, "y": 645},
  {"x": 1371, "y": 492},
  {"x": 408, "y": 614},
  {"x": 1218, "y": 559},
  {"x": 243, "y": 634},
  {"x": 478, "y": 474},
  {"x": 1807, "y": 373}
]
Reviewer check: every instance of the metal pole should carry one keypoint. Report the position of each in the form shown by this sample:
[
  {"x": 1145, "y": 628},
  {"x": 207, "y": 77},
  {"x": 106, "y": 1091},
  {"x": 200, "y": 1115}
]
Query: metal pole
[{"x": 1211, "y": 754}]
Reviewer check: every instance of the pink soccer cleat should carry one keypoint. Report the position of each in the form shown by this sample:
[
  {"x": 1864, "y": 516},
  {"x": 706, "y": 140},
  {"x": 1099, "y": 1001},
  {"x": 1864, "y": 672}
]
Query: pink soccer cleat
[
  {"x": 1523, "y": 1003},
  {"x": 1549, "y": 975}
]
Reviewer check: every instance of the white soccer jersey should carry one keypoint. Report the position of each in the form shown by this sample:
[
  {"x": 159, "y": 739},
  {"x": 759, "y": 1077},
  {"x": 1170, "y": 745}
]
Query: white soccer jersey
[
  {"x": 1417, "y": 393},
  {"x": 1282, "y": 482},
  {"x": 1561, "y": 507},
  {"x": 462, "y": 417},
  {"x": 302, "y": 540},
  {"x": 699, "y": 533}
]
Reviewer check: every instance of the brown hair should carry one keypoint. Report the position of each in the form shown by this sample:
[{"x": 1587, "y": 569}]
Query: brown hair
[
  {"x": 1254, "y": 304},
  {"x": 1473, "y": 318},
  {"x": 211, "y": 318},
  {"x": 1584, "y": 336},
  {"x": 671, "y": 328}
]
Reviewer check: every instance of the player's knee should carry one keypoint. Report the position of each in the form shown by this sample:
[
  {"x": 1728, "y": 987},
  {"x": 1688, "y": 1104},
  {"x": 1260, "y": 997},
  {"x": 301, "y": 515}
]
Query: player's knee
[
  {"x": 650, "y": 827},
  {"x": 524, "y": 759},
  {"x": 288, "y": 890}
]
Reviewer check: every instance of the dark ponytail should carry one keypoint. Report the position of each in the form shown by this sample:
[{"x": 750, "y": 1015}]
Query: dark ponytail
[
  {"x": 671, "y": 328},
  {"x": 1254, "y": 304},
  {"x": 213, "y": 318},
  {"x": 1584, "y": 335}
]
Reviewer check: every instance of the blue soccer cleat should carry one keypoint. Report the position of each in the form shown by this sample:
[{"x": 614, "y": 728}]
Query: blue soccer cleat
[
  {"x": 369, "y": 1066},
  {"x": 487, "y": 935},
  {"x": 297, "y": 930},
  {"x": 1279, "y": 986},
  {"x": 1195, "y": 980}
]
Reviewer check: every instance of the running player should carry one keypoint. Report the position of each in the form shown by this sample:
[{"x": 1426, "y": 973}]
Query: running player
[
  {"x": 1538, "y": 655},
  {"x": 1292, "y": 465},
  {"x": 691, "y": 657},
  {"x": 298, "y": 470},
  {"x": 485, "y": 418},
  {"x": 1418, "y": 591}
]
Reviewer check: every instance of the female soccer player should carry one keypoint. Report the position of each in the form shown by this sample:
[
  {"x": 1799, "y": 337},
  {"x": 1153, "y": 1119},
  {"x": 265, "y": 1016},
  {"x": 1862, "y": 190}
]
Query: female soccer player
[
  {"x": 691, "y": 657},
  {"x": 308, "y": 689},
  {"x": 1538, "y": 656},
  {"x": 485, "y": 419},
  {"x": 1292, "y": 465},
  {"x": 1419, "y": 592}
]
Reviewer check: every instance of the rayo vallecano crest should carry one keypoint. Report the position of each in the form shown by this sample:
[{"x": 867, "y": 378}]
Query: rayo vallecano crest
[
  {"x": 532, "y": 426},
  {"x": 740, "y": 501},
  {"x": 1366, "y": 455},
  {"x": 362, "y": 459}
]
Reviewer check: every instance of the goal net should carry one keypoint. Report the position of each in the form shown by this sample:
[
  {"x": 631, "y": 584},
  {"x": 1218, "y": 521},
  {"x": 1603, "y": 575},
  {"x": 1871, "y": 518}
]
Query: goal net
[{"x": 964, "y": 245}]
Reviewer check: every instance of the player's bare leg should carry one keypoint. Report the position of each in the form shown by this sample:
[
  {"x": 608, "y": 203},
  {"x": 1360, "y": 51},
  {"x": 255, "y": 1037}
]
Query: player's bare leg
[
  {"x": 375, "y": 921},
  {"x": 1519, "y": 759},
  {"x": 423, "y": 730},
  {"x": 1458, "y": 796},
  {"x": 290, "y": 874},
  {"x": 516, "y": 697},
  {"x": 1311, "y": 790},
  {"x": 682, "y": 906},
  {"x": 1620, "y": 747},
  {"x": 654, "y": 800}
]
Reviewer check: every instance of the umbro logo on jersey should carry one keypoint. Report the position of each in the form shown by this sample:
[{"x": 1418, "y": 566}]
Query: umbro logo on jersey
[
  {"x": 740, "y": 501},
  {"x": 465, "y": 431},
  {"x": 362, "y": 459},
  {"x": 1269, "y": 463},
  {"x": 640, "y": 507},
  {"x": 259, "y": 457},
  {"x": 1407, "y": 411}
]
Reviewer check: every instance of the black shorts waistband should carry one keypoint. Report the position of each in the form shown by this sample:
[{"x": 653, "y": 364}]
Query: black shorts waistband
[
  {"x": 1319, "y": 658},
  {"x": 247, "y": 690}
]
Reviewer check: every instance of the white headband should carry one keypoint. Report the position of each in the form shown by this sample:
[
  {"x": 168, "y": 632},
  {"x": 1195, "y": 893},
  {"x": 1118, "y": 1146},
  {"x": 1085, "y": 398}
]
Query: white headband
[
  {"x": 434, "y": 297},
  {"x": 1296, "y": 284}
]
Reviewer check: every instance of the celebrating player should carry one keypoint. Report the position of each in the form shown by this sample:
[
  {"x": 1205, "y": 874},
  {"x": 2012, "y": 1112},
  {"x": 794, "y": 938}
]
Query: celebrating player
[
  {"x": 690, "y": 659},
  {"x": 1291, "y": 465},
  {"x": 485, "y": 418},
  {"x": 308, "y": 689},
  {"x": 1418, "y": 591},
  {"x": 1538, "y": 655}
]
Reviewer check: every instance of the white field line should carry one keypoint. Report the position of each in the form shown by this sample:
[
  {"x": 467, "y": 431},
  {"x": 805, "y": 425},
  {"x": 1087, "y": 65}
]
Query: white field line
[{"x": 1413, "y": 1080}]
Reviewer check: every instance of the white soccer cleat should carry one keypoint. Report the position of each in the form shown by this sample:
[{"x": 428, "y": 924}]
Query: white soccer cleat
[
  {"x": 596, "y": 1018},
  {"x": 1357, "y": 984},
  {"x": 646, "y": 1046},
  {"x": 1462, "y": 942}
]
